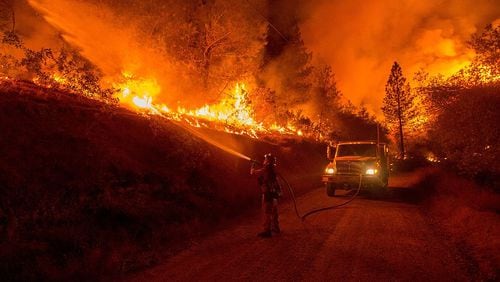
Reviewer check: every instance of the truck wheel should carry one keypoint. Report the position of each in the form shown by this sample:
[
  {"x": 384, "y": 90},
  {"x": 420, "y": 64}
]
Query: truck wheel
[{"x": 330, "y": 189}]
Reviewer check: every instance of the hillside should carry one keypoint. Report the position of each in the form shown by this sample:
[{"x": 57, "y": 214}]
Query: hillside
[{"x": 91, "y": 189}]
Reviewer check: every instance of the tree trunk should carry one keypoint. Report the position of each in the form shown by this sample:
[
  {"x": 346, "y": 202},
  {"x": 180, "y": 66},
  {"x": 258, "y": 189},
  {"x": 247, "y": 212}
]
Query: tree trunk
[
  {"x": 320, "y": 124},
  {"x": 401, "y": 142},
  {"x": 13, "y": 20}
]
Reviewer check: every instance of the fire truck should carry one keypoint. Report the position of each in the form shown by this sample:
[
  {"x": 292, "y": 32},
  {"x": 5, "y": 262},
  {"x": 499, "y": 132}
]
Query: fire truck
[{"x": 352, "y": 162}]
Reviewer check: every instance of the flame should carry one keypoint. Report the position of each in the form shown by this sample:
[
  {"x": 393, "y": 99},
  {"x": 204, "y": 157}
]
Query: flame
[
  {"x": 59, "y": 79},
  {"x": 137, "y": 92},
  {"x": 232, "y": 114},
  {"x": 233, "y": 109},
  {"x": 143, "y": 102}
]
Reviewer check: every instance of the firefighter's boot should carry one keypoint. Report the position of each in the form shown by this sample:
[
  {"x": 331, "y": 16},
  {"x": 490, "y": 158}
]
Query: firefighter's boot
[
  {"x": 265, "y": 234},
  {"x": 276, "y": 230}
]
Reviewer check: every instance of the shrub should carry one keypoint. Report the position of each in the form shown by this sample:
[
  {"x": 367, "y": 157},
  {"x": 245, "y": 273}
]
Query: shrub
[{"x": 466, "y": 133}]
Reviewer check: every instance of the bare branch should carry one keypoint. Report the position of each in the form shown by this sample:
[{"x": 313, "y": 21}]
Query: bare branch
[{"x": 214, "y": 44}]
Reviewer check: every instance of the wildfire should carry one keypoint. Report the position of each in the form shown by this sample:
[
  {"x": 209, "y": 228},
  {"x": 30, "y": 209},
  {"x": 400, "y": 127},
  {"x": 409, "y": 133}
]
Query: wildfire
[
  {"x": 59, "y": 79},
  {"x": 142, "y": 102},
  {"x": 232, "y": 114},
  {"x": 233, "y": 109},
  {"x": 137, "y": 92}
]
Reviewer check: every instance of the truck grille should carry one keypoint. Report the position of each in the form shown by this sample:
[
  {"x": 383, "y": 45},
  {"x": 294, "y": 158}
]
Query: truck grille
[{"x": 349, "y": 167}]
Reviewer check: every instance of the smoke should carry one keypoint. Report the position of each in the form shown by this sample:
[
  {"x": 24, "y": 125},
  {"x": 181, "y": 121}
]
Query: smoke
[
  {"x": 35, "y": 32},
  {"x": 191, "y": 49},
  {"x": 362, "y": 39},
  {"x": 111, "y": 41},
  {"x": 359, "y": 39}
]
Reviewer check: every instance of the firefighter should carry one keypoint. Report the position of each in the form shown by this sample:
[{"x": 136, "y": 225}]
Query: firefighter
[{"x": 271, "y": 191}]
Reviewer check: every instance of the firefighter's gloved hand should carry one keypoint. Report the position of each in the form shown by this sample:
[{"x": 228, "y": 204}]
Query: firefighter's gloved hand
[
  {"x": 252, "y": 167},
  {"x": 254, "y": 163}
]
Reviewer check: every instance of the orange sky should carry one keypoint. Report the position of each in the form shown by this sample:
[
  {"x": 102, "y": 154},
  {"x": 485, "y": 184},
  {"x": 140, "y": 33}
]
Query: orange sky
[{"x": 361, "y": 39}]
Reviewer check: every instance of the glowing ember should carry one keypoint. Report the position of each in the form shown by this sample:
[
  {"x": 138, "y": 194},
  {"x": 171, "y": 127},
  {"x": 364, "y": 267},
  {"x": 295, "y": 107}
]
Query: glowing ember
[{"x": 432, "y": 158}]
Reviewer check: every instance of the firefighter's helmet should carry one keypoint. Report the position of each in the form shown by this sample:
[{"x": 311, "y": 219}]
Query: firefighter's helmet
[{"x": 270, "y": 159}]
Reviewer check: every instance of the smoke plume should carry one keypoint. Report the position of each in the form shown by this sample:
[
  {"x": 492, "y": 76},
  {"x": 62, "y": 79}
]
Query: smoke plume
[
  {"x": 109, "y": 40},
  {"x": 362, "y": 39}
]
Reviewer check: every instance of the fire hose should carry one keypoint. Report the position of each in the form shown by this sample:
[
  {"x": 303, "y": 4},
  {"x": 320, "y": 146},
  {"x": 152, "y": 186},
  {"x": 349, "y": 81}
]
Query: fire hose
[
  {"x": 294, "y": 200},
  {"x": 303, "y": 217}
]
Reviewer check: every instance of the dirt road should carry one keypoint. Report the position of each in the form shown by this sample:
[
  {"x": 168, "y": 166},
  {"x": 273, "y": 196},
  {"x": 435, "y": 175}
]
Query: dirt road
[{"x": 370, "y": 239}]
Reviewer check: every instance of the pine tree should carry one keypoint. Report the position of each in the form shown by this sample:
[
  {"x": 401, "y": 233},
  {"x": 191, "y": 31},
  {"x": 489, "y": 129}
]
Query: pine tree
[
  {"x": 325, "y": 99},
  {"x": 288, "y": 71},
  {"x": 398, "y": 104}
]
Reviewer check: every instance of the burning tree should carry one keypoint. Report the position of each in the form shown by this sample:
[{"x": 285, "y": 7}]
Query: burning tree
[
  {"x": 211, "y": 44},
  {"x": 398, "y": 104}
]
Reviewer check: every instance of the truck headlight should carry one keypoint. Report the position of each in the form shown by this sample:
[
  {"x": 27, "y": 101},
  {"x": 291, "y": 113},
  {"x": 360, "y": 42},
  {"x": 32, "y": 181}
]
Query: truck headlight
[
  {"x": 330, "y": 170},
  {"x": 371, "y": 171}
]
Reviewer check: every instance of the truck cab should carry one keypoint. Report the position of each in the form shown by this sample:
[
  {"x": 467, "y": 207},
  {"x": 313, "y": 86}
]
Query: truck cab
[{"x": 352, "y": 162}]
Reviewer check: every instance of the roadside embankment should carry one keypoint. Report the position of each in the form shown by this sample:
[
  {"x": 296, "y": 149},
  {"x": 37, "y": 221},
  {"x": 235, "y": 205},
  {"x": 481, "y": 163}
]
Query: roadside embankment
[{"x": 90, "y": 189}]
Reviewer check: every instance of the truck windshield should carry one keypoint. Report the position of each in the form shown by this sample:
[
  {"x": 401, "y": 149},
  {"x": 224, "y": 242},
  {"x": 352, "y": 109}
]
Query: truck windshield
[{"x": 361, "y": 150}]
